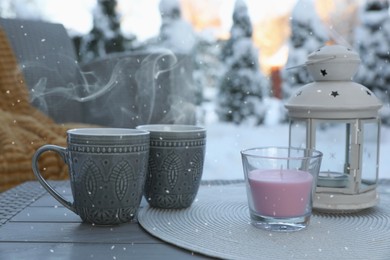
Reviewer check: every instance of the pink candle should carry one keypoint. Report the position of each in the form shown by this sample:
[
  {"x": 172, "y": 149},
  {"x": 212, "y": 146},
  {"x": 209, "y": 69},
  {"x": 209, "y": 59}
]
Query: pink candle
[{"x": 280, "y": 193}]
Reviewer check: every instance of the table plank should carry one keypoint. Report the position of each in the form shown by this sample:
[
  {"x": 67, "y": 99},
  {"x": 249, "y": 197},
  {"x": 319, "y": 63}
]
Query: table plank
[
  {"x": 71, "y": 251},
  {"x": 46, "y": 214},
  {"x": 74, "y": 232},
  {"x": 48, "y": 200}
]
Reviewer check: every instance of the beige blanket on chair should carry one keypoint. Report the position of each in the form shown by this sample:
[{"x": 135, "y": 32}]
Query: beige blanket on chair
[{"x": 23, "y": 128}]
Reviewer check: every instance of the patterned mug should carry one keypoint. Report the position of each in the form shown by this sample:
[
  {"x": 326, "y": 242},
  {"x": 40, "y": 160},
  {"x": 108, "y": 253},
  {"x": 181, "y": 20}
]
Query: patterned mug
[
  {"x": 107, "y": 169},
  {"x": 176, "y": 160}
]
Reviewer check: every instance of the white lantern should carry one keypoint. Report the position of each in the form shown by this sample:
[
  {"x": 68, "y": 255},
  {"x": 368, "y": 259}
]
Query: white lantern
[{"x": 340, "y": 118}]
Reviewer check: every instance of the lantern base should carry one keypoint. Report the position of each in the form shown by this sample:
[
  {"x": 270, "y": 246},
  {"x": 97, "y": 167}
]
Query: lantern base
[{"x": 344, "y": 203}]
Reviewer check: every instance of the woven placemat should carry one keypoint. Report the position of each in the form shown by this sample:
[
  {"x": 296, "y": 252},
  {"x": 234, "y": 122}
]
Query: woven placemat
[{"x": 217, "y": 225}]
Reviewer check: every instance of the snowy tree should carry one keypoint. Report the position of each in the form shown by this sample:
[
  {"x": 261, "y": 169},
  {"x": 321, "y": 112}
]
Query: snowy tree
[
  {"x": 372, "y": 41},
  {"x": 207, "y": 72},
  {"x": 307, "y": 34},
  {"x": 175, "y": 34},
  {"x": 241, "y": 28},
  {"x": 242, "y": 87},
  {"x": 208, "y": 67},
  {"x": 105, "y": 36}
]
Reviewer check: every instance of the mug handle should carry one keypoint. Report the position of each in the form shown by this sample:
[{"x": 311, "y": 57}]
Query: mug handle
[{"x": 63, "y": 153}]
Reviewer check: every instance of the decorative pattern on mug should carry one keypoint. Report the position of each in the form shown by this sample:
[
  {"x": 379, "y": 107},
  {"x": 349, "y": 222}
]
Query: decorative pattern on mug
[
  {"x": 173, "y": 143},
  {"x": 92, "y": 175},
  {"x": 83, "y": 148},
  {"x": 173, "y": 181},
  {"x": 173, "y": 166},
  {"x": 196, "y": 167},
  {"x": 107, "y": 216},
  {"x": 122, "y": 173}
]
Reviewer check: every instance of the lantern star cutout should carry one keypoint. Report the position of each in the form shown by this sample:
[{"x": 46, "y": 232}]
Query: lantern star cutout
[
  {"x": 324, "y": 73},
  {"x": 334, "y": 93}
]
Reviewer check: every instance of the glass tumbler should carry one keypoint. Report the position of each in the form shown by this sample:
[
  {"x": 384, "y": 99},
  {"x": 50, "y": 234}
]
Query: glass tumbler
[{"x": 280, "y": 185}]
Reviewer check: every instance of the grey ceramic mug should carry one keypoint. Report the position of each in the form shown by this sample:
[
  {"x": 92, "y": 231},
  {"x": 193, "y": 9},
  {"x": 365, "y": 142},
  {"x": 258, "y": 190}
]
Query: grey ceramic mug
[
  {"x": 176, "y": 161},
  {"x": 107, "y": 170}
]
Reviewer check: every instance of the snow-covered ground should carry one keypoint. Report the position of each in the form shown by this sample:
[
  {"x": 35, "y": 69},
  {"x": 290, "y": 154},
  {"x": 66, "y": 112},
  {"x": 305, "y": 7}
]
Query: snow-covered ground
[{"x": 225, "y": 141}]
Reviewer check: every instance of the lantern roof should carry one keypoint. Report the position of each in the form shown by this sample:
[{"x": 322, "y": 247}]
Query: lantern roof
[
  {"x": 338, "y": 100},
  {"x": 333, "y": 94}
]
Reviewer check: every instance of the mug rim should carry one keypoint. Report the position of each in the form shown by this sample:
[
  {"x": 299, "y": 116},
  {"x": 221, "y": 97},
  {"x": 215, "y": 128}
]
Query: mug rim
[
  {"x": 106, "y": 131},
  {"x": 171, "y": 128}
]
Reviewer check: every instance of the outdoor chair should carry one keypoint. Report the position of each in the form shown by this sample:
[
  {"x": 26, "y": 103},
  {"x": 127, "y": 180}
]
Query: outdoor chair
[{"x": 48, "y": 61}]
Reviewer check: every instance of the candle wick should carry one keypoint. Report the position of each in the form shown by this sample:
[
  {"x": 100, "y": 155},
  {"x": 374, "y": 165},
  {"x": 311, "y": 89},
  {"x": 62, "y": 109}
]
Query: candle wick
[{"x": 281, "y": 171}]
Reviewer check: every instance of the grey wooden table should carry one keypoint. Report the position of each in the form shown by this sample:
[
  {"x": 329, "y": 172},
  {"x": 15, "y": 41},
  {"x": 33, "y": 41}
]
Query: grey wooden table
[{"x": 35, "y": 226}]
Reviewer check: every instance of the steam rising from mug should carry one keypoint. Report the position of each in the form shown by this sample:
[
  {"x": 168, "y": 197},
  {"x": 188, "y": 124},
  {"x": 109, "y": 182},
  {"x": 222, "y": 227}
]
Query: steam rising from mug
[{"x": 122, "y": 90}]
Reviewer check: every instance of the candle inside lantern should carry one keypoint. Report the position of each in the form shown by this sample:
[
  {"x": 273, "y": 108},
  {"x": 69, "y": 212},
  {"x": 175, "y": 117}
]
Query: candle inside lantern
[
  {"x": 332, "y": 179},
  {"x": 281, "y": 193}
]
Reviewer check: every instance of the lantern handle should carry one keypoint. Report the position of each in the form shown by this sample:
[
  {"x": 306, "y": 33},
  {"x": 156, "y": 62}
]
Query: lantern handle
[{"x": 312, "y": 62}]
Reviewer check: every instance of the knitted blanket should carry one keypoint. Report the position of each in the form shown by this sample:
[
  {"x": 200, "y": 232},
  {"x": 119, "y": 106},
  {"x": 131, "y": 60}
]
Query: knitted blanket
[{"x": 23, "y": 128}]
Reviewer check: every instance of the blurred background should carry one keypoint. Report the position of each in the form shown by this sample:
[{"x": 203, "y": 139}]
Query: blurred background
[
  {"x": 281, "y": 34},
  {"x": 219, "y": 63}
]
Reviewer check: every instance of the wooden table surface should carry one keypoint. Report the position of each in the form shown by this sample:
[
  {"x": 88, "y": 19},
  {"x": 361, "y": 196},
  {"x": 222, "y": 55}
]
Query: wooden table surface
[{"x": 33, "y": 225}]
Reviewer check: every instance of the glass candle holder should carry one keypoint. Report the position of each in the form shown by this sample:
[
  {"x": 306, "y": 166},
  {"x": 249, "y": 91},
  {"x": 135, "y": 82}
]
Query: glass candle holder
[{"x": 280, "y": 185}]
